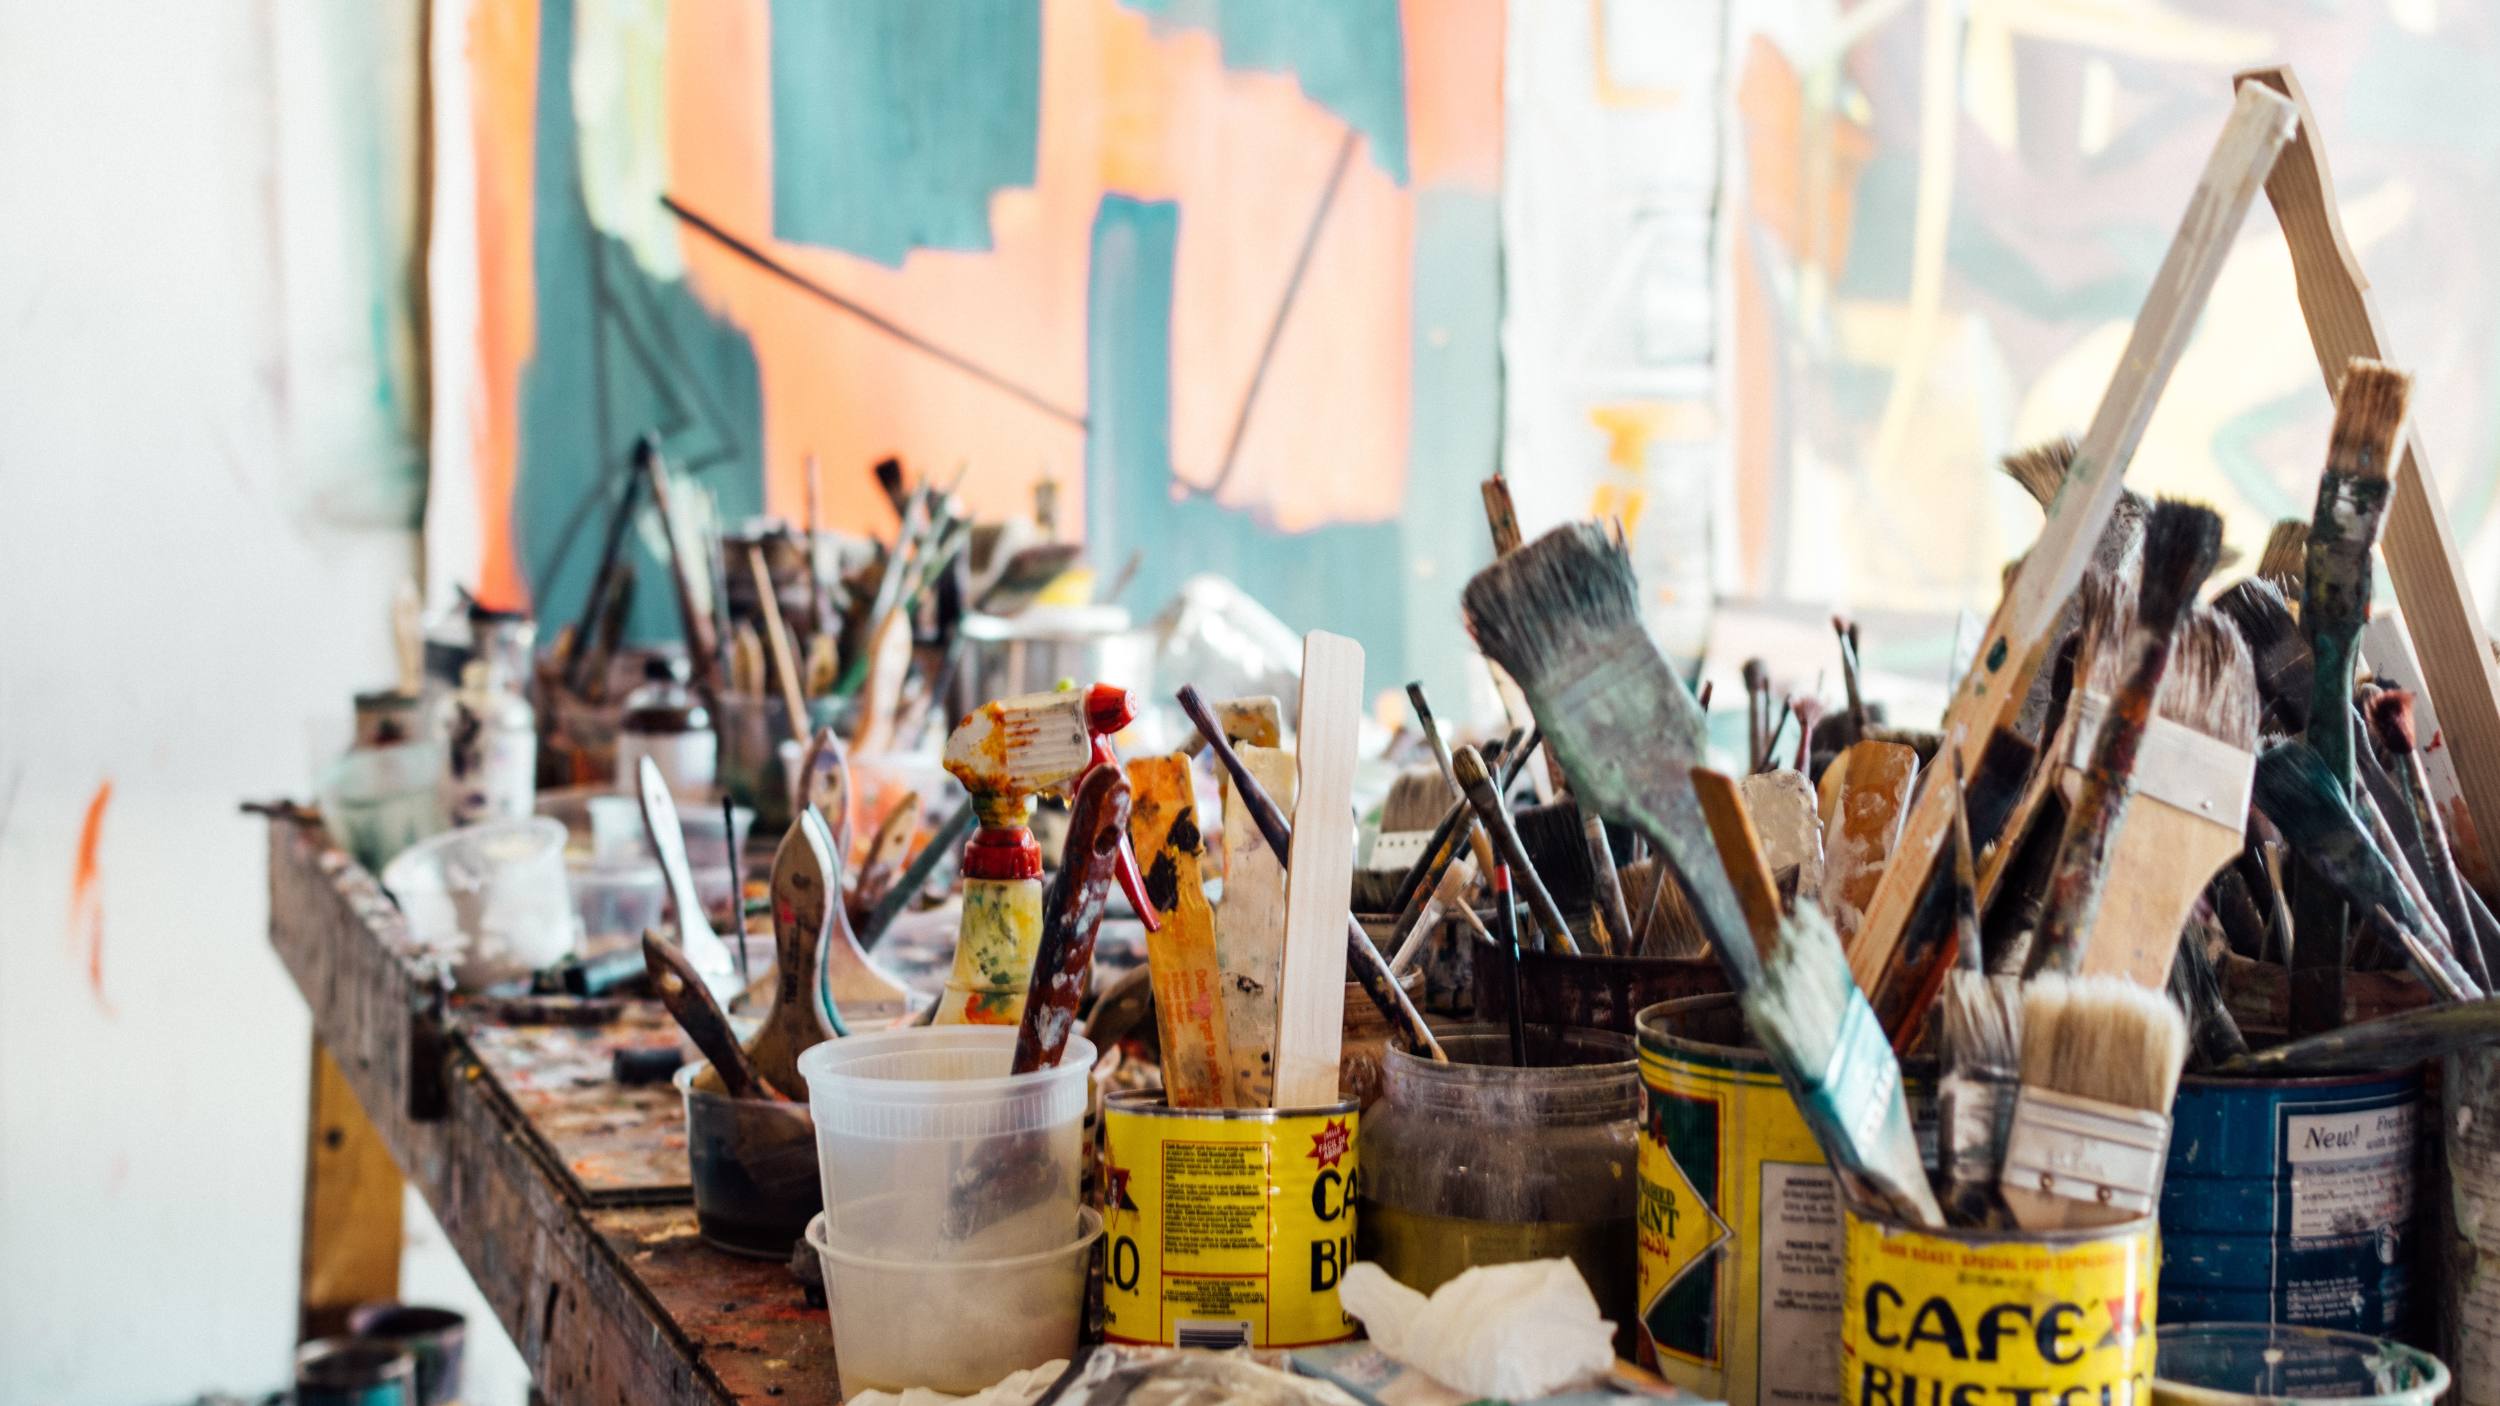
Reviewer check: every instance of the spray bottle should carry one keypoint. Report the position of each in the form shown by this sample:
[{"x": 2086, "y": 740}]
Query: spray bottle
[{"x": 1006, "y": 753}]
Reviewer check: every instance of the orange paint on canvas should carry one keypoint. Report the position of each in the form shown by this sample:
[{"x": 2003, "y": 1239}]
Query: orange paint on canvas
[
  {"x": 86, "y": 894},
  {"x": 503, "y": 58},
  {"x": 1454, "y": 93}
]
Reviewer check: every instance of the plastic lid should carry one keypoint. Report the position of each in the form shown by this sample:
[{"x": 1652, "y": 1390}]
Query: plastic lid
[{"x": 938, "y": 1083}]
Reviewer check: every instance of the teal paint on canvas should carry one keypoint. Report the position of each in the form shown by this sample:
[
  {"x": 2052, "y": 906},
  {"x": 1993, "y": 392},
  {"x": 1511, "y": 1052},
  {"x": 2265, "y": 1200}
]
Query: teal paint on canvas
[
  {"x": 1343, "y": 577},
  {"x": 617, "y": 353},
  {"x": 895, "y": 121},
  {"x": 1348, "y": 55},
  {"x": 1454, "y": 428}
]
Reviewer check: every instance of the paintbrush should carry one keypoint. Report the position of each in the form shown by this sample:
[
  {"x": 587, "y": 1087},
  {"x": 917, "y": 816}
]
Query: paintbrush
[
  {"x": 702, "y": 947},
  {"x": 824, "y": 786},
  {"x": 806, "y": 879},
  {"x": 2020, "y": 633},
  {"x": 777, "y": 637},
  {"x": 2283, "y": 562},
  {"x": 1667, "y": 926},
  {"x": 2091, "y": 1127},
  {"x": 683, "y": 991},
  {"x": 1482, "y": 847},
  {"x": 2196, "y": 989},
  {"x": 2335, "y": 604},
  {"x": 1757, "y": 683},
  {"x": 1457, "y": 831},
  {"x": 2391, "y": 721},
  {"x": 2401, "y": 1041},
  {"x": 2315, "y": 813},
  {"x": 603, "y": 578},
  {"x": 1606, "y": 886},
  {"x": 1072, "y": 917},
  {"x": 1452, "y": 895},
  {"x": 702, "y": 642},
  {"x": 1812, "y": 1020},
  {"x": 1980, "y": 1029},
  {"x": 2041, "y": 469},
  {"x": 1846, "y": 635},
  {"x": 1554, "y": 840},
  {"x": 1495, "y": 818},
  {"x": 1506, "y": 938},
  {"x": 1414, "y": 805},
  {"x": 2180, "y": 543},
  {"x": 2276, "y": 649},
  {"x": 1562, "y": 616},
  {"x": 1363, "y": 960},
  {"x": 2190, "y": 813}
]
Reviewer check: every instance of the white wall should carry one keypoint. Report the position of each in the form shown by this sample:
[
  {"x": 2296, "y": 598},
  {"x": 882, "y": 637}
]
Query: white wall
[{"x": 198, "y": 436}]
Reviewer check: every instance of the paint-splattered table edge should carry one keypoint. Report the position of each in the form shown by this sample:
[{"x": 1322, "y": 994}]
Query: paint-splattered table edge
[{"x": 604, "y": 1305}]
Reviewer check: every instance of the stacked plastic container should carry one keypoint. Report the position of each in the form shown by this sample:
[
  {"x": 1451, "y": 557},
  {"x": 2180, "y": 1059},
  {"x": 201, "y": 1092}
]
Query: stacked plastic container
[{"x": 954, "y": 1239}]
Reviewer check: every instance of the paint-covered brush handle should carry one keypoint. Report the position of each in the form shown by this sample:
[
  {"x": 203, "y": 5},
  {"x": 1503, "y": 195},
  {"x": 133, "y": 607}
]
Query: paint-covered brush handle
[
  {"x": 1072, "y": 917},
  {"x": 1476, "y": 779},
  {"x": 681, "y": 990}
]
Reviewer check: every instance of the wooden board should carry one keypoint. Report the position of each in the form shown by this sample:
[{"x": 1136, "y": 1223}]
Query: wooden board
[
  {"x": 1250, "y": 928},
  {"x": 1188, "y": 982},
  {"x": 1992, "y": 693},
  {"x": 612, "y": 1145},
  {"x": 352, "y": 1196},
  {"x": 1310, "y": 1006},
  {"x": 2423, "y": 561}
]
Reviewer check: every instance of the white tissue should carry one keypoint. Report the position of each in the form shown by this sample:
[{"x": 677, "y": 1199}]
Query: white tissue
[
  {"x": 1020, "y": 1389},
  {"x": 1519, "y": 1331}
]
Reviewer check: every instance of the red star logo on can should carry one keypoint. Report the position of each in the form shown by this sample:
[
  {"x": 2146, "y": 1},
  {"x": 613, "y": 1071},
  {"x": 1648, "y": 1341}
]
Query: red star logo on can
[{"x": 1331, "y": 1143}]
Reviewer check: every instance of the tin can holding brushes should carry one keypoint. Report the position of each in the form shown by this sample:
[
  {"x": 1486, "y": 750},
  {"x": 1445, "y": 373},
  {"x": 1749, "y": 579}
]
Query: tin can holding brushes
[
  {"x": 1953, "y": 1317},
  {"x": 1226, "y": 1227}
]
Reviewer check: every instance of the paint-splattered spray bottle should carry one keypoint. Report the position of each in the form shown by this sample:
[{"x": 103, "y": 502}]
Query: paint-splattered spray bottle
[
  {"x": 1006, "y": 753},
  {"x": 489, "y": 730}
]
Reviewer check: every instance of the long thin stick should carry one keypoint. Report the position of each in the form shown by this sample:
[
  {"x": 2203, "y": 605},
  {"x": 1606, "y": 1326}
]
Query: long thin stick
[{"x": 777, "y": 637}]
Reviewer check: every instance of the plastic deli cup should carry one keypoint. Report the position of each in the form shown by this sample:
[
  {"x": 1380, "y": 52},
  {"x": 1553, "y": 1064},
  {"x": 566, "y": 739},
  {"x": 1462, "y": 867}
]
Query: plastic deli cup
[
  {"x": 2234, "y": 1364},
  {"x": 954, "y": 1325},
  {"x": 930, "y": 1150}
]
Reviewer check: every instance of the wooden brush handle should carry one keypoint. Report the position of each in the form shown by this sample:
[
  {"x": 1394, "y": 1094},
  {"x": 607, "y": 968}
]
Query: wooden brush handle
[
  {"x": 1477, "y": 781},
  {"x": 777, "y": 640},
  {"x": 1072, "y": 917},
  {"x": 804, "y": 902},
  {"x": 2423, "y": 561},
  {"x": 1740, "y": 853},
  {"x": 681, "y": 990},
  {"x": 702, "y": 646}
]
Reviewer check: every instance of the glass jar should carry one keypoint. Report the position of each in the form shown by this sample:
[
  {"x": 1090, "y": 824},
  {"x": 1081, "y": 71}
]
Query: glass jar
[
  {"x": 1478, "y": 1161},
  {"x": 665, "y": 721},
  {"x": 489, "y": 730}
]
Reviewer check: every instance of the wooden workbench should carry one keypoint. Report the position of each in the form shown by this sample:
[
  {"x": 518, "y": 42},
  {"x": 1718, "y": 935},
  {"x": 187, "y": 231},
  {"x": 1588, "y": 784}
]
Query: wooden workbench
[{"x": 607, "y": 1302}]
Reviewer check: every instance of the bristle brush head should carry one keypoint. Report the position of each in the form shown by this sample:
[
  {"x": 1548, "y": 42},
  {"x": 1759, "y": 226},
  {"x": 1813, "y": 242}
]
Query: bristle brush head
[
  {"x": 2286, "y": 553},
  {"x": 2182, "y": 540},
  {"x": 2103, "y": 1038},
  {"x": 1417, "y": 800},
  {"x": 1980, "y": 1020},
  {"x": 2211, "y": 684},
  {"x": 2369, "y": 414},
  {"x": 2041, "y": 468},
  {"x": 1549, "y": 605},
  {"x": 2391, "y": 716}
]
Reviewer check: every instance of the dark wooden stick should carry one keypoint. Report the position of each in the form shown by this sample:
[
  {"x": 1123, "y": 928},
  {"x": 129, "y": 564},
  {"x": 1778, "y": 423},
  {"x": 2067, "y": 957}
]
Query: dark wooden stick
[{"x": 1072, "y": 918}]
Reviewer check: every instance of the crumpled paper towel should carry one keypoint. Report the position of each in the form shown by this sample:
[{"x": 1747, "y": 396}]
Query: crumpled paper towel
[
  {"x": 1518, "y": 1331},
  {"x": 1022, "y": 1389}
]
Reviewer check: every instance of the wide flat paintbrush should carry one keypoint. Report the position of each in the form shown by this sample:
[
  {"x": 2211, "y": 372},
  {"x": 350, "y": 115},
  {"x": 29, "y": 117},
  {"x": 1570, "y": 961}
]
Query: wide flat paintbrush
[
  {"x": 805, "y": 898},
  {"x": 1814, "y": 1023},
  {"x": 2181, "y": 541},
  {"x": 2016, "y": 643},
  {"x": 2041, "y": 469},
  {"x": 682, "y": 990},
  {"x": 2275, "y": 647},
  {"x": 1562, "y": 616},
  {"x": 2334, "y": 605},
  {"x": 2091, "y": 1128},
  {"x": 1477, "y": 780},
  {"x": 2284, "y": 561}
]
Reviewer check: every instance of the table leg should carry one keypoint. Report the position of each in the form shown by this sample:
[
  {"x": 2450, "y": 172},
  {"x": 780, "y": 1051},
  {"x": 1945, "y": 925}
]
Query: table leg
[{"x": 352, "y": 1200}]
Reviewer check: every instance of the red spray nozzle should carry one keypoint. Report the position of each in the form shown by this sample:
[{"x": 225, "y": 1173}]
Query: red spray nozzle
[{"x": 1108, "y": 708}]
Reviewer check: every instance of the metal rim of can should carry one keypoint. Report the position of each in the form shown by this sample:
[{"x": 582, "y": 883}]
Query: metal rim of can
[
  {"x": 1148, "y": 1103},
  {"x": 2217, "y": 1082},
  {"x": 1851, "y": 1207}
]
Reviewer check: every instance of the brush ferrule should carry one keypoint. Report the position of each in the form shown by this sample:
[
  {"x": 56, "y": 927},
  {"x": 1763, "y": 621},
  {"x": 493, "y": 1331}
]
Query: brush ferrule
[
  {"x": 2174, "y": 764},
  {"x": 1972, "y": 1110},
  {"x": 2081, "y": 1149},
  {"x": 1862, "y": 1080}
]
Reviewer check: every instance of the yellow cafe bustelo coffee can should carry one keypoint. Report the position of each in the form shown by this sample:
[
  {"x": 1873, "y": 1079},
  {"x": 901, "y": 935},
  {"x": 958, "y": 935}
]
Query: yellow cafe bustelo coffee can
[
  {"x": 1226, "y": 1227},
  {"x": 1997, "y": 1318}
]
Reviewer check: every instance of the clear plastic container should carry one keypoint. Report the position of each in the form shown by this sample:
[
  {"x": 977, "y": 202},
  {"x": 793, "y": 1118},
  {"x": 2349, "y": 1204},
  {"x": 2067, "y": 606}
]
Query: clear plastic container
[
  {"x": 1478, "y": 1161},
  {"x": 2238, "y": 1364},
  {"x": 954, "y": 1326},
  {"x": 493, "y": 898},
  {"x": 753, "y": 1163},
  {"x": 377, "y": 801},
  {"x": 617, "y": 885},
  {"x": 930, "y": 1150}
]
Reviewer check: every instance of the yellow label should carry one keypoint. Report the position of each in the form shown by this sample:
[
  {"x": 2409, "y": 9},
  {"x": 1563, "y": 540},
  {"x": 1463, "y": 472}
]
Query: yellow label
[
  {"x": 1739, "y": 1236},
  {"x": 1225, "y": 1229},
  {"x": 1936, "y": 1320}
]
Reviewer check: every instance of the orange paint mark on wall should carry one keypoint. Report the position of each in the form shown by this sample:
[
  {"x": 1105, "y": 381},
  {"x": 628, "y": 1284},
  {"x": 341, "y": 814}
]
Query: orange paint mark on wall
[
  {"x": 503, "y": 55},
  {"x": 86, "y": 895},
  {"x": 1453, "y": 92}
]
